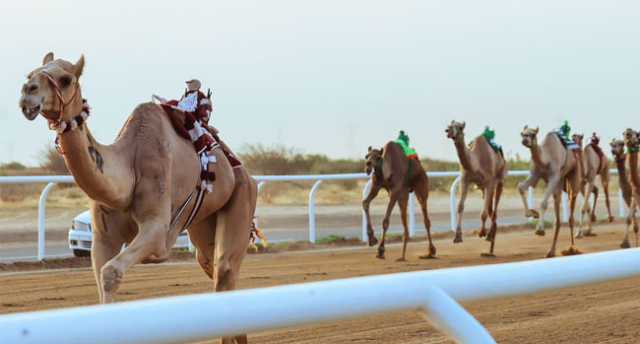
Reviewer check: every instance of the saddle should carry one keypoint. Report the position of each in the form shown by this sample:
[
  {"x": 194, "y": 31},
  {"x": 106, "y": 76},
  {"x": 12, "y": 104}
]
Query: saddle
[{"x": 567, "y": 142}]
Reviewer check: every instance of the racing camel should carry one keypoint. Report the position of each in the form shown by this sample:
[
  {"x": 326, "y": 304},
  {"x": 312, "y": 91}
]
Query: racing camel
[
  {"x": 560, "y": 169},
  {"x": 594, "y": 164},
  {"x": 137, "y": 183},
  {"x": 483, "y": 165},
  {"x": 620, "y": 157},
  {"x": 391, "y": 169}
]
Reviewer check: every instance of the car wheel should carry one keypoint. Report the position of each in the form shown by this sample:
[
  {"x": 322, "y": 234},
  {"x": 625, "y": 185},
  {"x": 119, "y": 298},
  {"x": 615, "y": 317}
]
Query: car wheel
[{"x": 81, "y": 253}]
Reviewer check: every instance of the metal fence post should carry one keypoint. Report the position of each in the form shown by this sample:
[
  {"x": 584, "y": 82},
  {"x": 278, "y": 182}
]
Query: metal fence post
[
  {"x": 412, "y": 215},
  {"x": 622, "y": 211},
  {"x": 365, "y": 194},
  {"x": 42, "y": 213},
  {"x": 312, "y": 212},
  {"x": 453, "y": 200},
  {"x": 565, "y": 208}
]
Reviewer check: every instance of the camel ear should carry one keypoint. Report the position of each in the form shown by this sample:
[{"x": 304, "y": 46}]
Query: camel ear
[
  {"x": 79, "y": 67},
  {"x": 370, "y": 149},
  {"x": 47, "y": 58},
  {"x": 464, "y": 124},
  {"x": 526, "y": 126},
  {"x": 537, "y": 130}
]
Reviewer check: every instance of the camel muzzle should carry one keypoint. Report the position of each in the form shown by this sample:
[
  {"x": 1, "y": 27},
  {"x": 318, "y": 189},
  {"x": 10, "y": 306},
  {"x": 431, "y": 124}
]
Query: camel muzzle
[{"x": 29, "y": 110}]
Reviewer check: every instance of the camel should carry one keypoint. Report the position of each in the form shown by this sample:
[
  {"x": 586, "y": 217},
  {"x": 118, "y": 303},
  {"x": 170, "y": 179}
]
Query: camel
[
  {"x": 561, "y": 170},
  {"x": 481, "y": 165},
  {"x": 594, "y": 164},
  {"x": 390, "y": 169},
  {"x": 617, "y": 150},
  {"x": 139, "y": 181}
]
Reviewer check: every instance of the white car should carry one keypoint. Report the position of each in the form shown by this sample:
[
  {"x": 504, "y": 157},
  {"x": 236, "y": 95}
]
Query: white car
[{"x": 80, "y": 236}]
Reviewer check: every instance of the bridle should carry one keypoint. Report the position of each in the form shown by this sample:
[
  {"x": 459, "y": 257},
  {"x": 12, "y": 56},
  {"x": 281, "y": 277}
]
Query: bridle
[
  {"x": 58, "y": 124},
  {"x": 54, "y": 124}
]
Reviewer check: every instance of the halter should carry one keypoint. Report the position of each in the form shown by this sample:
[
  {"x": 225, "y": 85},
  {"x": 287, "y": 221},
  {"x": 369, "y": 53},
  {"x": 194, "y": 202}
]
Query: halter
[{"x": 58, "y": 125}]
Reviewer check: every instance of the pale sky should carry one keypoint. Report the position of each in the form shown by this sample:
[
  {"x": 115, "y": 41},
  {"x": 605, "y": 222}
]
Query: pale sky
[{"x": 334, "y": 77}]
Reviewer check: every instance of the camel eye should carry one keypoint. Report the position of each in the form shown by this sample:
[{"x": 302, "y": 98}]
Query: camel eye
[{"x": 64, "y": 81}]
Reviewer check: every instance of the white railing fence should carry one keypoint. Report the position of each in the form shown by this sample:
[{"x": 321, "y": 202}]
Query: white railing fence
[
  {"x": 207, "y": 316},
  {"x": 51, "y": 181}
]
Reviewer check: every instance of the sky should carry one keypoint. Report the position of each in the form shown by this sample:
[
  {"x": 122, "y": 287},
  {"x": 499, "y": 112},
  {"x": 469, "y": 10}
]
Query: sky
[{"x": 334, "y": 77}]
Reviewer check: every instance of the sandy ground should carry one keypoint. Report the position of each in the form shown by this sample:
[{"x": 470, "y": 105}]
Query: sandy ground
[{"x": 600, "y": 313}]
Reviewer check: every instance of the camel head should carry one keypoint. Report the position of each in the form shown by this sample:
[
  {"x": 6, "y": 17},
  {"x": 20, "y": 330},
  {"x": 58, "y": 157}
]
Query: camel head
[
  {"x": 631, "y": 139},
  {"x": 529, "y": 136},
  {"x": 455, "y": 130},
  {"x": 617, "y": 148},
  {"x": 578, "y": 139},
  {"x": 372, "y": 160},
  {"x": 53, "y": 90}
]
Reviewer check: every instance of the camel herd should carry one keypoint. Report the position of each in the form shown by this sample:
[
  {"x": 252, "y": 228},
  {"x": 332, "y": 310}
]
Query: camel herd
[
  {"x": 570, "y": 169},
  {"x": 138, "y": 183}
]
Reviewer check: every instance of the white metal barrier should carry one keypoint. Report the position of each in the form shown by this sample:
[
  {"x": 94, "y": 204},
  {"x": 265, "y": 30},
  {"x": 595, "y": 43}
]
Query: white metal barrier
[
  {"x": 317, "y": 179},
  {"x": 207, "y": 316}
]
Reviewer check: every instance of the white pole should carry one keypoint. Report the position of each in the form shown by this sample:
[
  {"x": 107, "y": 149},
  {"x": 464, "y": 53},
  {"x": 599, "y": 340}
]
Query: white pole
[
  {"x": 261, "y": 185},
  {"x": 42, "y": 213},
  {"x": 622, "y": 211},
  {"x": 453, "y": 200},
  {"x": 365, "y": 193},
  {"x": 312, "y": 212},
  {"x": 446, "y": 315},
  {"x": 565, "y": 208},
  {"x": 412, "y": 215}
]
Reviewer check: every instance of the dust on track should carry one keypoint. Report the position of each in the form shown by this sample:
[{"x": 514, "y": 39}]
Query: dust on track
[{"x": 600, "y": 313}]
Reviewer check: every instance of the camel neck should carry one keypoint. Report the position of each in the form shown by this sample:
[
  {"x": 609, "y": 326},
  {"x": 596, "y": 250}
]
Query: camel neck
[
  {"x": 89, "y": 163},
  {"x": 633, "y": 169},
  {"x": 463, "y": 154},
  {"x": 536, "y": 155},
  {"x": 621, "y": 167}
]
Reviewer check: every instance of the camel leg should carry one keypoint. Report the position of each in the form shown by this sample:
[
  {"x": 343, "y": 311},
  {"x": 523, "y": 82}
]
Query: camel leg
[
  {"x": 604, "y": 178},
  {"x": 523, "y": 187},
  {"x": 232, "y": 239},
  {"x": 463, "y": 197},
  {"x": 586, "y": 210},
  {"x": 631, "y": 219},
  {"x": 552, "y": 187},
  {"x": 403, "y": 201},
  {"x": 574, "y": 189},
  {"x": 371, "y": 234},
  {"x": 557, "y": 198},
  {"x": 494, "y": 220},
  {"x": 393, "y": 198},
  {"x": 422, "y": 194},
  {"x": 202, "y": 235},
  {"x": 487, "y": 210}
]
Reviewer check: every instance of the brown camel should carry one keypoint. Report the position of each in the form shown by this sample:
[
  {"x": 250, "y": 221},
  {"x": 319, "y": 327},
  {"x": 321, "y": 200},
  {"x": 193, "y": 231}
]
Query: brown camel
[
  {"x": 139, "y": 181},
  {"x": 632, "y": 141},
  {"x": 560, "y": 169},
  {"x": 480, "y": 165},
  {"x": 594, "y": 163},
  {"x": 390, "y": 169},
  {"x": 617, "y": 149}
]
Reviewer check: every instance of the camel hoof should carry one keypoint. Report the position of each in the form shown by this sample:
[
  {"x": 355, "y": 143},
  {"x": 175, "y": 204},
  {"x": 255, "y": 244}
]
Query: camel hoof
[
  {"x": 611, "y": 219},
  {"x": 487, "y": 255},
  {"x": 590, "y": 234},
  {"x": 400, "y": 260},
  {"x": 428, "y": 256},
  {"x": 551, "y": 254},
  {"x": 373, "y": 241},
  {"x": 482, "y": 233},
  {"x": 625, "y": 244},
  {"x": 380, "y": 254},
  {"x": 540, "y": 232},
  {"x": 111, "y": 278},
  {"x": 533, "y": 213},
  {"x": 432, "y": 251},
  {"x": 579, "y": 235},
  {"x": 571, "y": 251},
  {"x": 458, "y": 238}
]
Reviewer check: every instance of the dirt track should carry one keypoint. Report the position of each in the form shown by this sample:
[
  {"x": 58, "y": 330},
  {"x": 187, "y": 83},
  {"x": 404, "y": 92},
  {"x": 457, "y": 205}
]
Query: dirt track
[{"x": 608, "y": 312}]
